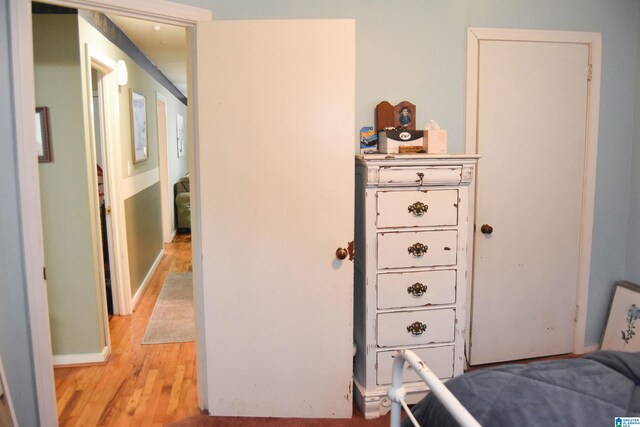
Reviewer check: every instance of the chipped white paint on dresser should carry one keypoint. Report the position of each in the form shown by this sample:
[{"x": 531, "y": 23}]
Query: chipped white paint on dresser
[{"x": 412, "y": 251}]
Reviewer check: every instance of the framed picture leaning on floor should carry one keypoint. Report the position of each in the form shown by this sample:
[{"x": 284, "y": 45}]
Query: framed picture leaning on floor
[{"x": 622, "y": 331}]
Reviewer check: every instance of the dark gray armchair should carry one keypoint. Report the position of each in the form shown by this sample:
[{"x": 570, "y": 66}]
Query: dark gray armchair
[{"x": 182, "y": 204}]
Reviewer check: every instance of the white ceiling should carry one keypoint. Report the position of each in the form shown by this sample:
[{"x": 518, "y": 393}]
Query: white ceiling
[{"x": 165, "y": 45}]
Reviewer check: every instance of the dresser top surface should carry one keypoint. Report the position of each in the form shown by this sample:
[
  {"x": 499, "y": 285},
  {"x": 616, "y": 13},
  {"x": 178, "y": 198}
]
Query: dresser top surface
[
  {"x": 417, "y": 159},
  {"x": 417, "y": 156}
]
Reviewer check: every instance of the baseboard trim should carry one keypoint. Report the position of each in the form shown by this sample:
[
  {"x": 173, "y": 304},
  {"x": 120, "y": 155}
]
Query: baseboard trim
[
  {"x": 81, "y": 359},
  {"x": 147, "y": 279}
]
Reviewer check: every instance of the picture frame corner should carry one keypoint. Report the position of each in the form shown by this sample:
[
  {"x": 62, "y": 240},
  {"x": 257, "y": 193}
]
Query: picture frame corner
[
  {"x": 139, "y": 134},
  {"x": 43, "y": 134}
]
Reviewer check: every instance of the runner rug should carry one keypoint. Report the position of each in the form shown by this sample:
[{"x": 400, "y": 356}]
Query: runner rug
[{"x": 173, "y": 317}]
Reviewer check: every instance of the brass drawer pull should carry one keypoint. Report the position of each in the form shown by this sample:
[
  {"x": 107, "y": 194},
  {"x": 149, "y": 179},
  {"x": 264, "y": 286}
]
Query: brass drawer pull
[
  {"x": 416, "y": 328},
  {"x": 418, "y": 208},
  {"x": 417, "y": 289},
  {"x": 418, "y": 249}
]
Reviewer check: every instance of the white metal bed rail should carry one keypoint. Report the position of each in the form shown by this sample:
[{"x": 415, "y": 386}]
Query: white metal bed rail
[{"x": 397, "y": 392}]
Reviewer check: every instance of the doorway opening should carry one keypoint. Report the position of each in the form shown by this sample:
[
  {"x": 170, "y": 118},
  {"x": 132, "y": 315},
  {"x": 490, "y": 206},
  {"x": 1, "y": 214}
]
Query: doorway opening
[
  {"x": 104, "y": 204},
  {"x": 22, "y": 65}
]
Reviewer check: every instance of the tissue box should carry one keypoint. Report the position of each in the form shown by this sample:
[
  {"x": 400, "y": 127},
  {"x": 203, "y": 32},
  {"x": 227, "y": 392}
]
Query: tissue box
[
  {"x": 436, "y": 141},
  {"x": 401, "y": 141}
]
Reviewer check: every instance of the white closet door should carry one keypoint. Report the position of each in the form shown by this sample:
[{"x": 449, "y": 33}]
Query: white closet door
[
  {"x": 276, "y": 128},
  {"x": 532, "y": 110}
]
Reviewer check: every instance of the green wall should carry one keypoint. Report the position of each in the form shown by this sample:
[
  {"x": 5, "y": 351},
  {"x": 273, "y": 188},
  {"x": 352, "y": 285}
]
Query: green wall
[
  {"x": 144, "y": 232},
  {"x": 67, "y": 191}
]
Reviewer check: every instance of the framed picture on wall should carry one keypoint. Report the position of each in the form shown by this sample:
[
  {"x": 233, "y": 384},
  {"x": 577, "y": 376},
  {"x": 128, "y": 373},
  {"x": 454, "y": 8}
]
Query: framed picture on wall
[
  {"x": 180, "y": 135},
  {"x": 43, "y": 135},
  {"x": 622, "y": 332},
  {"x": 139, "y": 142}
]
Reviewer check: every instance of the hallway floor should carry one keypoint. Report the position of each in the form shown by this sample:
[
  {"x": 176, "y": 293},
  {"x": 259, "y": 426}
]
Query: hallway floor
[{"x": 142, "y": 385}]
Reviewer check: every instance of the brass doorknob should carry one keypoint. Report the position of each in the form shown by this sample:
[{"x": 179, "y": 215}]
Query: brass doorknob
[
  {"x": 341, "y": 253},
  {"x": 486, "y": 229}
]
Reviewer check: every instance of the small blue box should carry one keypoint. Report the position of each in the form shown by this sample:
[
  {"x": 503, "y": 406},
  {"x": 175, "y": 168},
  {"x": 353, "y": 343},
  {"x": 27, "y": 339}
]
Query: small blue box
[{"x": 368, "y": 140}]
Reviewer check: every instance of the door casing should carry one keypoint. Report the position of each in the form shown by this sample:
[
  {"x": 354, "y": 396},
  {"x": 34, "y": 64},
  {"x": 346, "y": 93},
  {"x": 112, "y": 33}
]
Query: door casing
[
  {"x": 594, "y": 41},
  {"x": 161, "y": 109},
  {"x": 105, "y": 68},
  {"x": 111, "y": 130}
]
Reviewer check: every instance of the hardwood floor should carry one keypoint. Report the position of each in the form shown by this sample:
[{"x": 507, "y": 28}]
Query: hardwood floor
[{"x": 142, "y": 385}]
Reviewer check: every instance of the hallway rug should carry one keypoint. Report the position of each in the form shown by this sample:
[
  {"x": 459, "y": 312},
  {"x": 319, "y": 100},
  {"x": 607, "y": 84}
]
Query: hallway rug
[{"x": 173, "y": 317}]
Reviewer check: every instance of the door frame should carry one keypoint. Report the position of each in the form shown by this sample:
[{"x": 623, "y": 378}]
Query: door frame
[
  {"x": 22, "y": 67},
  {"x": 163, "y": 164},
  {"x": 121, "y": 286},
  {"x": 107, "y": 86},
  {"x": 594, "y": 42}
]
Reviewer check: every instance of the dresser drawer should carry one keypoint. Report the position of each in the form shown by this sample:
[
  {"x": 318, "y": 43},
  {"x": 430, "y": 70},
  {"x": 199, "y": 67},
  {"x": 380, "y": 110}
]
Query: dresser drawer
[
  {"x": 416, "y": 327},
  {"x": 438, "y": 359},
  {"x": 416, "y": 208},
  {"x": 415, "y": 289},
  {"x": 435, "y": 175},
  {"x": 417, "y": 249}
]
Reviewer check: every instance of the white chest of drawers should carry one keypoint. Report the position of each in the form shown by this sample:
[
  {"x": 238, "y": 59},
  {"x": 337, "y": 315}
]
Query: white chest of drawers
[{"x": 411, "y": 268}]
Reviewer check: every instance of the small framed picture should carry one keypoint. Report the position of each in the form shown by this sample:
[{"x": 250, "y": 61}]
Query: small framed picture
[
  {"x": 43, "y": 135},
  {"x": 405, "y": 115},
  {"x": 139, "y": 144},
  {"x": 622, "y": 331},
  {"x": 180, "y": 135},
  {"x": 400, "y": 116}
]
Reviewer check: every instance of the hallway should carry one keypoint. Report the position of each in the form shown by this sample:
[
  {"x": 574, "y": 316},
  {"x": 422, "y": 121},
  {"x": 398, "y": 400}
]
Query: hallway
[{"x": 143, "y": 385}]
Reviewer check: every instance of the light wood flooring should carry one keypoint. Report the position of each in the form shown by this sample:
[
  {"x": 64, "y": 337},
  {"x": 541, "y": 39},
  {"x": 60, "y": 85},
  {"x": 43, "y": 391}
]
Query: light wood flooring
[{"x": 142, "y": 385}]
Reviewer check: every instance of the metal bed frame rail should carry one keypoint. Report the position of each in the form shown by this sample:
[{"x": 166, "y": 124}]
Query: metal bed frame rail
[{"x": 397, "y": 392}]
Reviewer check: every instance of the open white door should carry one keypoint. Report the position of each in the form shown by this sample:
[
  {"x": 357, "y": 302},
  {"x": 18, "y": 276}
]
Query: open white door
[{"x": 276, "y": 172}]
